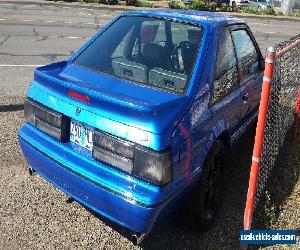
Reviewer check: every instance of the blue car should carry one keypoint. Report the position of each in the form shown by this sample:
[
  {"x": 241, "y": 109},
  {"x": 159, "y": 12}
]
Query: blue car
[{"x": 140, "y": 119}]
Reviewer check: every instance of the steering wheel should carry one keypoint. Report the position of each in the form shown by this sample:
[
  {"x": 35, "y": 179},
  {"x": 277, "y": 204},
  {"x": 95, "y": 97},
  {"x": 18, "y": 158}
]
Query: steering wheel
[{"x": 183, "y": 45}]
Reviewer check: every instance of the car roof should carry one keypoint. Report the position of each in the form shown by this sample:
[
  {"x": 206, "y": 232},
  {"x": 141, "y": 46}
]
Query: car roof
[{"x": 194, "y": 16}]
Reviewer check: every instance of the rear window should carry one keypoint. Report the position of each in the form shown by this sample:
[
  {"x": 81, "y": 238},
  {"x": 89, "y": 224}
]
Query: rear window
[{"x": 149, "y": 51}]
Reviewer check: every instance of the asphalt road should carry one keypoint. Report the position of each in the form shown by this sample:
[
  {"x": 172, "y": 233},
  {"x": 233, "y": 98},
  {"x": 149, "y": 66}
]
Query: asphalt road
[{"x": 32, "y": 35}]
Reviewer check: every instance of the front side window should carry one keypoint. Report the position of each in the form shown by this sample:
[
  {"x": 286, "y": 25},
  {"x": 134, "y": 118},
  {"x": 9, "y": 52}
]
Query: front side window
[
  {"x": 248, "y": 59},
  {"x": 225, "y": 76},
  {"x": 149, "y": 51}
]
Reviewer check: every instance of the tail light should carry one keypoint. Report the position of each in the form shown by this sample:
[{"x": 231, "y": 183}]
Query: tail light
[
  {"x": 152, "y": 166},
  {"x": 47, "y": 120}
]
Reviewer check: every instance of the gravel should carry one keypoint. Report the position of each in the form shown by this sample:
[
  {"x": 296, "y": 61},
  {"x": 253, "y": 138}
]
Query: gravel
[{"x": 36, "y": 215}]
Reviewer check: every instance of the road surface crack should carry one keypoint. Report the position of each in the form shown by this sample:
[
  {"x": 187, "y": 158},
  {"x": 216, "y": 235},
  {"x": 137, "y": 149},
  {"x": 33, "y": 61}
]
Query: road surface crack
[{"x": 5, "y": 40}]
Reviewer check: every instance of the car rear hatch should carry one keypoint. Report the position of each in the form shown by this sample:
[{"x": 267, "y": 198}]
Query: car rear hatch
[{"x": 133, "y": 112}]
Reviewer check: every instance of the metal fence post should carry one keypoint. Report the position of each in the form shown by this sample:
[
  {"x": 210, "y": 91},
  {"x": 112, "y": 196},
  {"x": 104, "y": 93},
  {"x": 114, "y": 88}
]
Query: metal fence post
[{"x": 261, "y": 123}]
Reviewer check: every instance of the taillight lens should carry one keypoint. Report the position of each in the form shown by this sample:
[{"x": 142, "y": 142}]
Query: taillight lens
[
  {"x": 49, "y": 121},
  {"x": 152, "y": 166},
  {"x": 114, "y": 144},
  {"x": 113, "y": 151}
]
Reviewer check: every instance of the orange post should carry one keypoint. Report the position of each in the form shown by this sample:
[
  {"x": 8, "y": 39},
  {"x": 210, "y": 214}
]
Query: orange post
[{"x": 260, "y": 128}]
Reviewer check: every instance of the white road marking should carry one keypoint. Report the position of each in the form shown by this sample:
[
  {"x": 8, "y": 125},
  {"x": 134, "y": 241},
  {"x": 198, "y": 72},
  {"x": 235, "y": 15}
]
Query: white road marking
[
  {"x": 87, "y": 9},
  {"x": 28, "y": 6},
  {"x": 45, "y": 21},
  {"x": 20, "y": 65},
  {"x": 273, "y": 32},
  {"x": 84, "y": 14},
  {"x": 66, "y": 12},
  {"x": 48, "y": 11},
  {"x": 265, "y": 24}
]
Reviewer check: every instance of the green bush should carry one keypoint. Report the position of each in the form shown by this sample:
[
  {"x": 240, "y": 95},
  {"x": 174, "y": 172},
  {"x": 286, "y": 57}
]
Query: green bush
[
  {"x": 176, "y": 4},
  {"x": 258, "y": 11},
  {"x": 144, "y": 3},
  {"x": 268, "y": 11},
  {"x": 95, "y": 1},
  {"x": 251, "y": 10},
  {"x": 297, "y": 13},
  {"x": 205, "y": 6},
  {"x": 131, "y": 2},
  {"x": 279, "y": 13},
  {"x": 112, "y": 2},
  {"x": 225, "y": 9}
]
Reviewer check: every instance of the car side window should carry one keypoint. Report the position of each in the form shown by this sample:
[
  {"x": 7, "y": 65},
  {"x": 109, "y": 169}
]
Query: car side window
[
  {"x": 248, "y": 59},
  {"x": 226, "y": 75}
]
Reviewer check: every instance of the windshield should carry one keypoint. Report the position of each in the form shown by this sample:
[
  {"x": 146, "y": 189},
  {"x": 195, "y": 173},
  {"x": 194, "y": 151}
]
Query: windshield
[{"x": 149, "y": 51}]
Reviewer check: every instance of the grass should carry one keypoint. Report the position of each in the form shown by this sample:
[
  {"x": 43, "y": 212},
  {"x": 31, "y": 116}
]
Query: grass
[{"x": 270, "y": 211}]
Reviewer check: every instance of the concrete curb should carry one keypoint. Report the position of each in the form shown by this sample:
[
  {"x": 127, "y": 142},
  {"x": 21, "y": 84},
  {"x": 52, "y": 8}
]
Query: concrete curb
[{"x": 126, "y": 8}]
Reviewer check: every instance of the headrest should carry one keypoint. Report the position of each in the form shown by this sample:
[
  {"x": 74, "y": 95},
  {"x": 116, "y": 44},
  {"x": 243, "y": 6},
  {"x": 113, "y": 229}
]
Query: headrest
[
  {"x": 152, "y": 51},
  {"x": 194, "y": 36}
]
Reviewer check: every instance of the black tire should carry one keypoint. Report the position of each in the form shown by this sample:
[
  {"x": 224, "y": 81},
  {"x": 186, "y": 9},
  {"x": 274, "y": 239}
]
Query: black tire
[{"x": 206, "y": 198}]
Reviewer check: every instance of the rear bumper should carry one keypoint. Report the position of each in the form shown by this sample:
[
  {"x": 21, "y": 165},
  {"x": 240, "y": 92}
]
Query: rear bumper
[{"x": 130, "y": 213}]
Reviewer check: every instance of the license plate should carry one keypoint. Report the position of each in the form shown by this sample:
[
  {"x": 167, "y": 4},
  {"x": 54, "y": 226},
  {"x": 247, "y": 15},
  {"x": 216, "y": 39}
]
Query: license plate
[{"x": 81, "y": 134}]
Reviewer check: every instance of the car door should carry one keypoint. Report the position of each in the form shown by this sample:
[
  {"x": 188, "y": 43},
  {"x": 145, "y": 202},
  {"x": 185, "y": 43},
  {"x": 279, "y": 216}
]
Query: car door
[
  {"x": 250, "y": 70},
  {"x": 225, "y": 101}
]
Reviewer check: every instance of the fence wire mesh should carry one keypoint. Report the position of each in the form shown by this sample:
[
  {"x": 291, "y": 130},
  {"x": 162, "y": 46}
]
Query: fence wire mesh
[{"x": 280, "y": 118}]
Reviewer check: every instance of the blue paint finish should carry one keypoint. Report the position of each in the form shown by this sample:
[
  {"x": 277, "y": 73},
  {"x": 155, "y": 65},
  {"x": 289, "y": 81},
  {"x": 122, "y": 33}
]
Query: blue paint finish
[{"x": 186, "y": 123}]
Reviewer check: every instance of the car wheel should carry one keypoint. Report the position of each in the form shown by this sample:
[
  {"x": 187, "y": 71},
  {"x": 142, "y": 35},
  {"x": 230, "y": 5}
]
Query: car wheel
[{"x": 207, "y": 197}]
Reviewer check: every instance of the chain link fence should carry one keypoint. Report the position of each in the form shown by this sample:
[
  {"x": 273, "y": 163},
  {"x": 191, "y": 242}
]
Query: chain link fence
[{"x": 280, "y": 119}]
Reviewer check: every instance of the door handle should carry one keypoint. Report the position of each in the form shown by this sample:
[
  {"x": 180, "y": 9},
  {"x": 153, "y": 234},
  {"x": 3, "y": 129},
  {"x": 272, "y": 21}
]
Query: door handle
[{"x": 245, "y": 97}]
